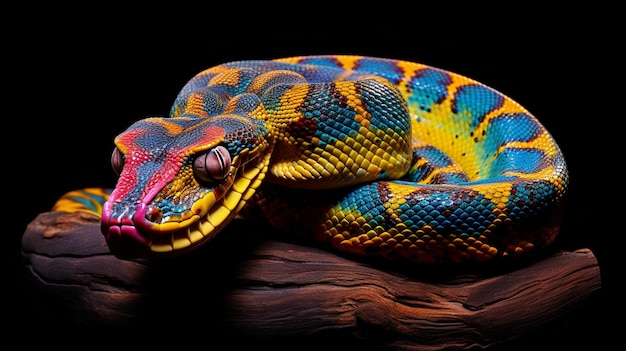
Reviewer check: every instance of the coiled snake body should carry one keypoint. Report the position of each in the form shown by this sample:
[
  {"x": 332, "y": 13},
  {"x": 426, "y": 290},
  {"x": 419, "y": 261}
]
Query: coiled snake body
[{"x": 370, "y": 156}]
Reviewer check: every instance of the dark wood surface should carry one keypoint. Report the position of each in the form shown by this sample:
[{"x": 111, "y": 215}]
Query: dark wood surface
[{"x": 261, "y": 288}]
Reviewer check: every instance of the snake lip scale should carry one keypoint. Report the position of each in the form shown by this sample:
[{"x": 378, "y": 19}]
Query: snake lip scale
[{"x": 369, "y": 156}]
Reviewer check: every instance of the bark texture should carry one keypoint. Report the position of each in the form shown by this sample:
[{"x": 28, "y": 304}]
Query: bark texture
[{"x": 250, "y": 286}]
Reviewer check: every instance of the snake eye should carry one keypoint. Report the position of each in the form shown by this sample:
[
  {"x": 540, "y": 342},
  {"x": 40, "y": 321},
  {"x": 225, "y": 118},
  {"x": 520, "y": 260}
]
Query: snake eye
[
  {"x": 117, "y": 161},
  {"x": 213, "y": 165}
]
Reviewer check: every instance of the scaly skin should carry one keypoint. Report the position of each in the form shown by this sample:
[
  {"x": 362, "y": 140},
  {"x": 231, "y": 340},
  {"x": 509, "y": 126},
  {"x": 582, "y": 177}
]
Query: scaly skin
[{"x": 371, "y": 156}]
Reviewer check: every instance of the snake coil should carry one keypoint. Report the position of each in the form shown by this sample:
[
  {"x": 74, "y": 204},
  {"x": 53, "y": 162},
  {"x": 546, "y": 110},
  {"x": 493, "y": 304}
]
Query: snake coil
[{"x": 368, "y": 155}]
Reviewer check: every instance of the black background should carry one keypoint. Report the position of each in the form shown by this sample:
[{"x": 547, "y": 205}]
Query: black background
[{"x": 74, "y": 78}]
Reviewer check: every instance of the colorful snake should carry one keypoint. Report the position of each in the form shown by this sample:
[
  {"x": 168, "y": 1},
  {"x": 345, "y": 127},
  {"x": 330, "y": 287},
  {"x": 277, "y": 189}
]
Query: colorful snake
[{"x": 370, "y": 156}]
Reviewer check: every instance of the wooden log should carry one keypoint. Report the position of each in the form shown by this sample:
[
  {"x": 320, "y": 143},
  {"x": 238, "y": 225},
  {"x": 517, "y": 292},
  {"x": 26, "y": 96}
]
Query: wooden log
[{"x": 249, "y": 286}]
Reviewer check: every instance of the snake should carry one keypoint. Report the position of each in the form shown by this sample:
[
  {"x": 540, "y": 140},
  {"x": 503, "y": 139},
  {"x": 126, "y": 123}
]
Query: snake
[{"x": 367, "y": 156}]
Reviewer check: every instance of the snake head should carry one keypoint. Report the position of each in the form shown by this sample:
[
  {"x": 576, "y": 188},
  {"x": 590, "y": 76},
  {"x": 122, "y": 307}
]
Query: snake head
[{"x": 181, "y": 180}]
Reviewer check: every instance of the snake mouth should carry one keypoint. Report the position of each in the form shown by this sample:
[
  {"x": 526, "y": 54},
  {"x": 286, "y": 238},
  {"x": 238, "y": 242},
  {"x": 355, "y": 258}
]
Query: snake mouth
[{"x": 141, "y": 240}]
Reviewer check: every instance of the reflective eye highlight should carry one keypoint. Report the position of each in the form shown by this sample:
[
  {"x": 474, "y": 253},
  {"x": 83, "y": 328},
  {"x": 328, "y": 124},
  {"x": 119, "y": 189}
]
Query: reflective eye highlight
[
  {"x": 117, "y": 161},
  {"x": 213, "y": 165}
]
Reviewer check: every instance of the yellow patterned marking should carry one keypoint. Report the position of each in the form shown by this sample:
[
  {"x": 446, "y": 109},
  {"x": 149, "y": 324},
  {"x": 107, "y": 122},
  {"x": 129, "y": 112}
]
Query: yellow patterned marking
[
  {"x": 230, "y": 77},
  {"x": 84, "y": 200},
  {"x": 348, "y": 62}
]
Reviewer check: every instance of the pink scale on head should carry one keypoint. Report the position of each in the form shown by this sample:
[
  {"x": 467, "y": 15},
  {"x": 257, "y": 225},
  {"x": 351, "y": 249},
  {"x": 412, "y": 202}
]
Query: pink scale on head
[
  {"x": 133, "y": 156},
  {"x": 126, "y": 140},
  {"x": 217, "y": 160}
]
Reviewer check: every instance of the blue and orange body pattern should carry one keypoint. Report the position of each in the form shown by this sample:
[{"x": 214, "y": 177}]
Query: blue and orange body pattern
[{"x": 367, "y": 155}]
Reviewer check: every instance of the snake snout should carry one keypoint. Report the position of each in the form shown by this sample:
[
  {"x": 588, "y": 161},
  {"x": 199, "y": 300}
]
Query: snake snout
[
  {"x": 122, "y": 230},
  {"x": 126, "y": 242}
]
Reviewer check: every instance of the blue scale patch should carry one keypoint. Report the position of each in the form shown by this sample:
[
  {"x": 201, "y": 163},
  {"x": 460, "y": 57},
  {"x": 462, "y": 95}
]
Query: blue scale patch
[
  {"x": 245, "y": 103},
  {"x": 383, "y": 68},
  {"x": 158, "y": 135},
  {"x": 533, "y": 200},
  {"x": 519, "y": 160},
  {"x": 512, "y": 127},
  {"x": 477, "y": 101},
  {"x": 326, "y": 116},
  {"x": 339, "y": 127},
  {"x": 435, "y": 159},
  {"x": 446, "y": 212},
  {"x": 365, "y": 201},
  {"x": 385, "y": 109},
  {"x": 170, "y": 209},
  {"x": 213, "y": 101},
  {"x": 429, "y": 86}
]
